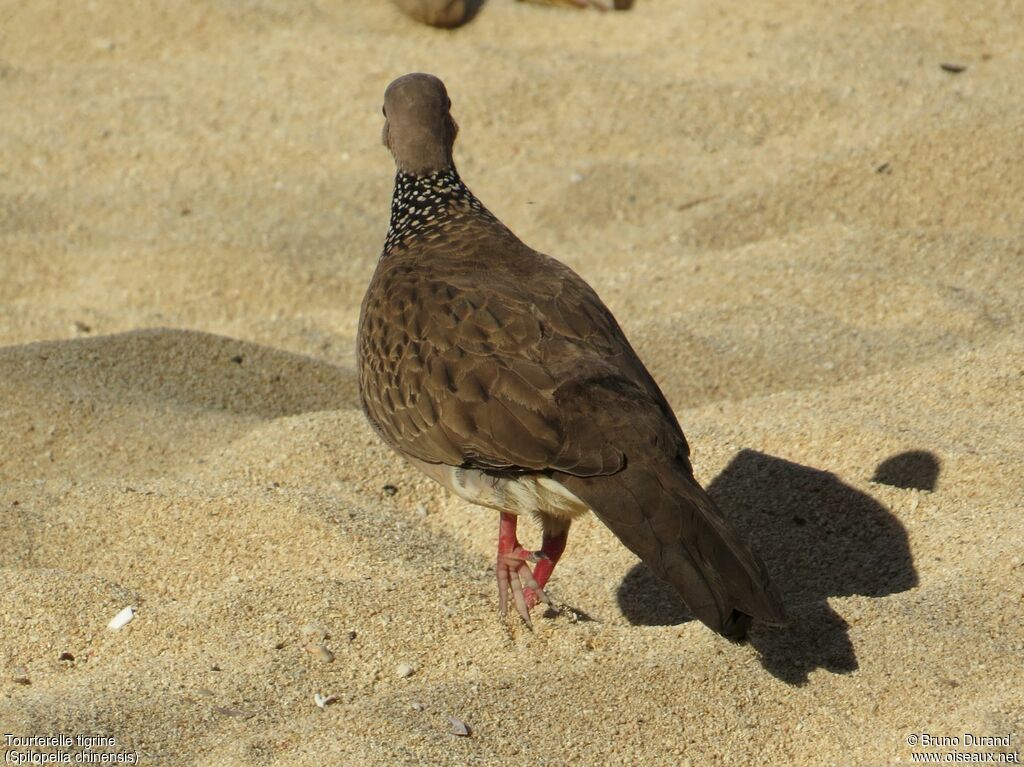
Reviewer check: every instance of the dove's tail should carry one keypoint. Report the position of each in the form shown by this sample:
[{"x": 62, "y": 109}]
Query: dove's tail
[{"x": 660, "y": 512}]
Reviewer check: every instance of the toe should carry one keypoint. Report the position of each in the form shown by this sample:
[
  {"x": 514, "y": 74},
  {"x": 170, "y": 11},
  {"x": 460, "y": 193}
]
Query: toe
[{"x": 514, "y": 576}]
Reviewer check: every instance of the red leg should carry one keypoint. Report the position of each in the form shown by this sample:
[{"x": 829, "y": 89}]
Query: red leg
[
  {"x": 550, "y": 552},
  {"x": 513, "y": 572}
]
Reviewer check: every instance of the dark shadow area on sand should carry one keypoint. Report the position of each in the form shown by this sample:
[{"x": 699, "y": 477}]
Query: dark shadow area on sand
[
  {"x": 819, "y": 537},
  {"x": 186, "y": 368},
  {"x": 912, "y": 470}
]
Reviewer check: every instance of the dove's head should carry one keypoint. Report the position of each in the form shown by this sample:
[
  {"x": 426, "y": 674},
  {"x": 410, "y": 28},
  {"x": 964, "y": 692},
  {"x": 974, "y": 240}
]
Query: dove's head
[{"x": 418, "y": 128}]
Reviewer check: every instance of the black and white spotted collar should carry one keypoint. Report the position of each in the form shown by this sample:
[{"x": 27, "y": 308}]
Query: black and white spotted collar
[{"x": 420, "y": 203}]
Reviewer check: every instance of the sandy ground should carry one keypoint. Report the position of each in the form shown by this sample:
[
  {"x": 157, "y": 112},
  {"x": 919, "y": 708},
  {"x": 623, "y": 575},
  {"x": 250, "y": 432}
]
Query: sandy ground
[{"x": 811, "y": 231}]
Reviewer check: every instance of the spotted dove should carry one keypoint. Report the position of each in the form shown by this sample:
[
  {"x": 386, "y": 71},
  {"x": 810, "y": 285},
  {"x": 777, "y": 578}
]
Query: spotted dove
[
  {"x": 498, "y": 372},
  {"x": 454, "y": 13}
]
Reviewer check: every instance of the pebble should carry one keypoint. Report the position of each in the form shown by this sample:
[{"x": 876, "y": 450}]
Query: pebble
[
  {"x": 232, "y": 711},
  {"x": 458, "y": 728},
  {"x": 404, "y": 670},
  {"x": 321, "y": 652}
]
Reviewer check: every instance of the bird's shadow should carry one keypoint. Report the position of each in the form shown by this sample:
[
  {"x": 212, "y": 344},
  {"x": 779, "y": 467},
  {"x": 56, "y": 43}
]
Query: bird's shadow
[
  {"x": 914, "y": 470},
  {"x": 819, "y": 537}
]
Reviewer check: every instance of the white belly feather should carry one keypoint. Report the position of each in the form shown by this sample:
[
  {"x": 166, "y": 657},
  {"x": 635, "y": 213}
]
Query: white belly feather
[{"x": 526, "y": 494}]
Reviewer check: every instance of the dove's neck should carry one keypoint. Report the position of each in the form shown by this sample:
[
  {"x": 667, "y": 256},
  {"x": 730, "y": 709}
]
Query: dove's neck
[{"x": 421, "y": 204}]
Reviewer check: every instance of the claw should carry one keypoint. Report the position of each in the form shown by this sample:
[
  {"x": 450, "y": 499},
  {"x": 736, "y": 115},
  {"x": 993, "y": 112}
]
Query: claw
[{"x": 514, "y": 574}]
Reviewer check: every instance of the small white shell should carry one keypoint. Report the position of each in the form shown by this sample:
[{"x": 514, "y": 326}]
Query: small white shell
[
  {"x": 122, "y": 619},
  {"x": 323, "y": 701}
]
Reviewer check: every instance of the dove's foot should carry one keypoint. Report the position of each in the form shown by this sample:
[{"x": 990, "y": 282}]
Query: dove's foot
[
  {"x": 550, "y": 551},
  {"x": 514, "y": 574}
]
